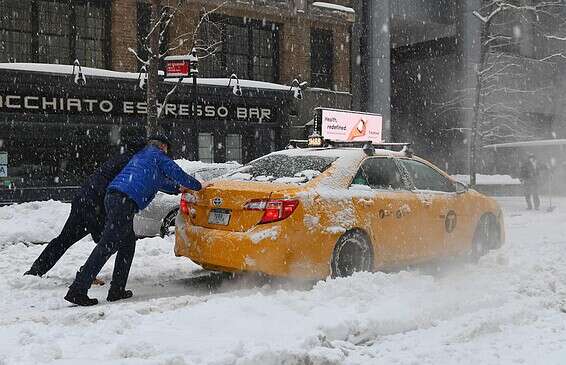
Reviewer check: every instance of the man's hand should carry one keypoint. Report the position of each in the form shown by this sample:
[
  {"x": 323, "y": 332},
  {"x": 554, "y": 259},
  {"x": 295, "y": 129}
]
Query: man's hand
[{"x": 204, "y": 184}]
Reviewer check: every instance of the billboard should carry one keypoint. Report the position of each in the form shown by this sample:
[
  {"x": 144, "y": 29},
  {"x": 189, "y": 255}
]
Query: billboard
[{"x": 349, "y": 126}]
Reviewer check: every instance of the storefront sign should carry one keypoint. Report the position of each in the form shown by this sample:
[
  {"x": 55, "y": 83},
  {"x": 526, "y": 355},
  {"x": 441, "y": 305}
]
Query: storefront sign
[
  {"x": 348, "y": 126},
  {"x": 47, "y": 105}
]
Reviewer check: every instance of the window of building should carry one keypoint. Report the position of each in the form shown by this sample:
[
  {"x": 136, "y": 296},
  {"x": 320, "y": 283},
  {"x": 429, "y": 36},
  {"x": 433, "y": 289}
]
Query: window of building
[
  {"x": 144, "y": 25},
  {"x": 55, "y": 32},
  {"x": 247, "y": 48},
  {"x": 379, "y": 173},
  {"x": 91, "y": 34},
  {"x": 234, "y": 147},
  {"x": 206, "y": 147},
  {"x": 15, "y": 30},
  {"x": 322, "y": 58},
  {"x": 54, "y": 35}
]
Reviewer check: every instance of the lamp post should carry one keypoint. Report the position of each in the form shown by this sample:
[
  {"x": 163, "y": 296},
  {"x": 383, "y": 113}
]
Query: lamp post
[
  {"x": 236, "y": 90},
  {"x": 186, "y": 66},
  {"x": 79, "y": 77},
  {"x": 297, "y": 88},
  {"x": 193, "y": 72}
]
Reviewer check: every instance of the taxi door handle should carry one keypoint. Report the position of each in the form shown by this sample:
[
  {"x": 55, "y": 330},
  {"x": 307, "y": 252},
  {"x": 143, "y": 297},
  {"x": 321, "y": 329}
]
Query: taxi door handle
[{"x": 365, "y": 203}]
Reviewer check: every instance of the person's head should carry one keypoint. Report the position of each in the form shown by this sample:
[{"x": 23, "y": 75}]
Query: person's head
[
  {"x": 532, "y": 157},
  {"x": 133, "y": 144},
  {"x": 161, "y": 142}
]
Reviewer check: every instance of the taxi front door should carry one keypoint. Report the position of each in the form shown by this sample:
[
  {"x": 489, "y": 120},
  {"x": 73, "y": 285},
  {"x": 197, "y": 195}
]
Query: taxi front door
[
  {"x": 385, "y": 208},
  {"x": 437, "y": 210}
]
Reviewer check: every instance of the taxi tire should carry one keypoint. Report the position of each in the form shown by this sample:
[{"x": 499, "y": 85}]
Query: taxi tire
[
  {"x": 167, "y": 222},
  {"x": 486, "y": 237},
  {"x": 352, "y": 253}
]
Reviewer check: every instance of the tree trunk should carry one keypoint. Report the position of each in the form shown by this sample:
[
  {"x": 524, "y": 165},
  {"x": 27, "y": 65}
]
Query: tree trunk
[{"x": 152, "y": 126}]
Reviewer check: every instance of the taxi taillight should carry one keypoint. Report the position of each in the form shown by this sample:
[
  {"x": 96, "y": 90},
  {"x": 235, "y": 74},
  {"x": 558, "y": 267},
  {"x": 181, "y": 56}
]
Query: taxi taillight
[
  {"x": 273, "y": 210},
  {"x": 186, "y": 199},
  {"x": 184, "y": 206}
]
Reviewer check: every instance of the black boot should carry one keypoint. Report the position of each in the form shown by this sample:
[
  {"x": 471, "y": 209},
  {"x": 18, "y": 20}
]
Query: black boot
[
  {"x": 81, "y": 299},
  {"x": 115, "y": 294},
  {"x": 33, "y": 272}
]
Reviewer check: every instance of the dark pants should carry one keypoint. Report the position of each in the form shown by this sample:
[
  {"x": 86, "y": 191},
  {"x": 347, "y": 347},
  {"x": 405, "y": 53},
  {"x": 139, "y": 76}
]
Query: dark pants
[
  {"x": 118, "y": 236},
  {"x": 85, "y": 217},
  {"x": 531, "y": 191}
]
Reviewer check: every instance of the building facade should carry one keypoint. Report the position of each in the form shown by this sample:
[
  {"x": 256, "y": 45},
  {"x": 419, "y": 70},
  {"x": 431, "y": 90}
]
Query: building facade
[
  {"x": 418, "y": 68},
  {"x": 266, "y": 44}
]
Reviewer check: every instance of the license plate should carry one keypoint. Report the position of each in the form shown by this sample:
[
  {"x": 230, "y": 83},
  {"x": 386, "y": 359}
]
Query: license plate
[{"x": 219, "y": 216}]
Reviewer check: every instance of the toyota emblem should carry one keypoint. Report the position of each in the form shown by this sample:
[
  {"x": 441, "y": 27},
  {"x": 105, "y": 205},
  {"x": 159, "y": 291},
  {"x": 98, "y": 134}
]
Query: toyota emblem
[{"x": 217, "y": 202}]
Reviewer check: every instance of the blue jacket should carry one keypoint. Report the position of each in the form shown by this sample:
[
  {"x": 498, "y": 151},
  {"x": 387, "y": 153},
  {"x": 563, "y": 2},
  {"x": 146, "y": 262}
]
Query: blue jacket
[{"x": 147, "y": 172}]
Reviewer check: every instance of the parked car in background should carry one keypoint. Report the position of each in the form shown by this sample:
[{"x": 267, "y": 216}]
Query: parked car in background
[{"x": 158, "y": 219}]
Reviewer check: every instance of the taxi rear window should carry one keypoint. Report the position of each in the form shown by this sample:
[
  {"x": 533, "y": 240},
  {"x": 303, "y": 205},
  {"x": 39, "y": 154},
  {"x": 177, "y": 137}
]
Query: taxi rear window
[{"x": 283, "y": 168}]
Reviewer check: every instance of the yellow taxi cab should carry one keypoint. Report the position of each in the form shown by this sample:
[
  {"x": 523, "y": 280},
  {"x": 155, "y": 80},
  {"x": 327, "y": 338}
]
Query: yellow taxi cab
[{"x": 314, "y": 212}]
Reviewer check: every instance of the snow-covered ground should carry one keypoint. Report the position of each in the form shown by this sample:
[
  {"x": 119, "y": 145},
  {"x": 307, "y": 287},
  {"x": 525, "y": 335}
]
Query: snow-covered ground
[{"x": 509, "y": 308}]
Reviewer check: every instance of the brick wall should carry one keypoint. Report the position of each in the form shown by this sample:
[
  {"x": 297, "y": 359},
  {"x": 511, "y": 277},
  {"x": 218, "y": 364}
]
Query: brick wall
[
  {"x": 294, "y": 51},
  {"x": 123, "y": 34},
  {"x": 294, "y": 39}
]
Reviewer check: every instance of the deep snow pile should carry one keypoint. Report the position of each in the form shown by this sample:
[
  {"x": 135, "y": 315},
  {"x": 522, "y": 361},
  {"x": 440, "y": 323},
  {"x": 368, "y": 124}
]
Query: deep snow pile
[{"x": 506, "y": 309}]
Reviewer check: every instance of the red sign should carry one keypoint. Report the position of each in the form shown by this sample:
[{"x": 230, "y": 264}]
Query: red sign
[{"x": 177, "y": 69}]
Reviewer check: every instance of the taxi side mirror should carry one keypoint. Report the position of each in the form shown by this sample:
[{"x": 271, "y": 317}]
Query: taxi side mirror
[{"x": 460, "y": 187}]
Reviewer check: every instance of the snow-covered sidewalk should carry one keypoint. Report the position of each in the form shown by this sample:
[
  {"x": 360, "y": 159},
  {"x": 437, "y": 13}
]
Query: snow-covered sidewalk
[{"x": 506, "y": 309}]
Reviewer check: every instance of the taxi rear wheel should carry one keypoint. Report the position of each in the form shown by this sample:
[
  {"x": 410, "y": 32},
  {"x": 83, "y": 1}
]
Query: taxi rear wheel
[
  {"x": 486, "y": 237},
  {"x": 352, "y": 253}
]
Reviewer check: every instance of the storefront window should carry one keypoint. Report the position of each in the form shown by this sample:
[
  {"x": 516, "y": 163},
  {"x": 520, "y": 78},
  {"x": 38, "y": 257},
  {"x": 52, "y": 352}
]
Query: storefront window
[
  {"x": 248, "y": 48},
  {"x": 206, "y": 147},
  {"x": 55, "y": 154},
  {"x": 55, "y": 32},
  {"x": 234, "y": 147},
  {"x": 322, "y": 58}
]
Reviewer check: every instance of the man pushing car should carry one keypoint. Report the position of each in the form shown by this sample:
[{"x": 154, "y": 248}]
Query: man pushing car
[
  {"x": 87, "y": 210},
  {"x": 131, "y": 190}
]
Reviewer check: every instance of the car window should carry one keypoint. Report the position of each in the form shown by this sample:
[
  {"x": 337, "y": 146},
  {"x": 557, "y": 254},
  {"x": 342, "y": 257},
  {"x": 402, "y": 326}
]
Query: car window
[
  {"x": 210, "y": 173},
  {"x": 283, "y": 168},
  {"x": 425, "y": 177},
  {"x": 379, "y": 173}
]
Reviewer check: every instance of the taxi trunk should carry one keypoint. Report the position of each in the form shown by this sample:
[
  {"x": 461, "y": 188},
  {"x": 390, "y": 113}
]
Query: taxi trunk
[{"x": 238, "y": 205}]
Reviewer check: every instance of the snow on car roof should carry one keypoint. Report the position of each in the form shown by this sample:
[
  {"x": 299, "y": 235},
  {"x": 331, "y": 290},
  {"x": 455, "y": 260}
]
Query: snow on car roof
[{"x": 191, "y": 166}]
